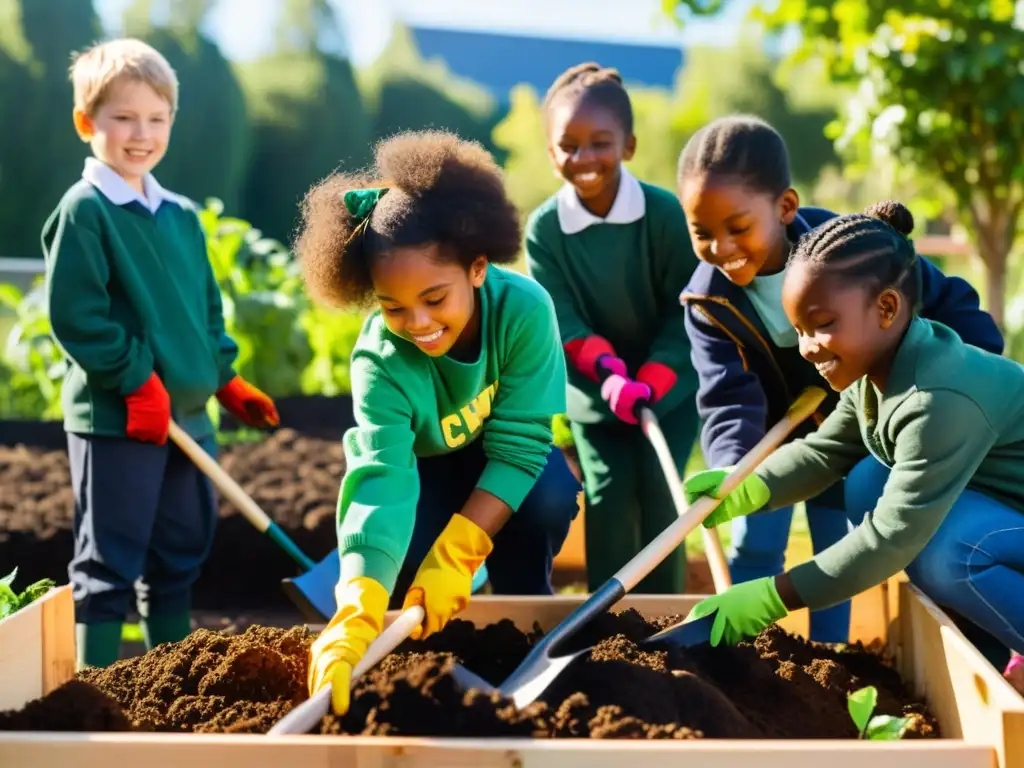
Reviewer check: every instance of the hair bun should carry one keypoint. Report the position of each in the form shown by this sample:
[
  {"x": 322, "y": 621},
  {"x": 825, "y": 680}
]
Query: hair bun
[{"x": 895, "y": 214}]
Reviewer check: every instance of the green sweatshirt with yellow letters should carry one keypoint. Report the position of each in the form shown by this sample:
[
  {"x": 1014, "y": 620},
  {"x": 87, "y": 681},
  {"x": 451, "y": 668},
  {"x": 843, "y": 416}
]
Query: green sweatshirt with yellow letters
[
  {"x": 951, "y": 418},
  {"x": 408, "y": 404}
]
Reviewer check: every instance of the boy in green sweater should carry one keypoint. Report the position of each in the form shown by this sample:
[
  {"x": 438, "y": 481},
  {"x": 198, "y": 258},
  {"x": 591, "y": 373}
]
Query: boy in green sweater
[
  {"x": 615, "y": 253},
  {"x": 455, "y": 380},
  {"x": 946, "y": 419},
  {"x": 135, "y": 308}
]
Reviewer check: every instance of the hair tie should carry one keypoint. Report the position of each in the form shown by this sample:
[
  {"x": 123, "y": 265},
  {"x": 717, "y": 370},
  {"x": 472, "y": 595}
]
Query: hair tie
[{"x": 360, "y": 204}]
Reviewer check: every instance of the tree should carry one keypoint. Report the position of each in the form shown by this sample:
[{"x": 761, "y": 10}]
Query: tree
[{"x": 937, "y": 90}]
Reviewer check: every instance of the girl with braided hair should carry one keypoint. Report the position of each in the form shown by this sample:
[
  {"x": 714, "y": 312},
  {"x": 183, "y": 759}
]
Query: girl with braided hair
[
  {"x": 456, "y": 376},
  {"x": 744, "y": 217},
  {"x": 614, "y": 254},
  {"x": 945, "y": 418}
]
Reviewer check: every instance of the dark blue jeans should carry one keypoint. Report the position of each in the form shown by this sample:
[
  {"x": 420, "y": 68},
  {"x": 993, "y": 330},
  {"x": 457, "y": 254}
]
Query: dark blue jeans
[
  {"x": 144, "y": 523},
  {"x": 524, "y": 549},
  {"x": 972, "y": 567}
]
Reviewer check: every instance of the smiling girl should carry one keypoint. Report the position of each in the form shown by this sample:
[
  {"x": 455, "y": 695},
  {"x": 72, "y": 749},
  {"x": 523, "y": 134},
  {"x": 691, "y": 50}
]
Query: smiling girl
[
  {"x": 744, "y": 217},
  {"x": 945, "y": 418},
  {"x": 614, "y": 254},
  {"x": 456, "y": 377}
]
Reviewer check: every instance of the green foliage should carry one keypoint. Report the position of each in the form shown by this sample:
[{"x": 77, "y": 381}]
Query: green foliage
[
  {"x": 861, "y": 705},
  {"x": 32, "y": 366},
  {"x": 938, "y": 88},
  {"x": 11, "y": 601}
]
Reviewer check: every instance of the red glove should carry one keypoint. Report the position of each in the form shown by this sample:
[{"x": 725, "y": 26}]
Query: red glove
[
  {"x": 659, "y": 377},
  {"x": 592, "y": 352},
  {"x": 624, "y": 395},
  {"x": 149, "y": 412},
  {"x": 248, "y": 404}
]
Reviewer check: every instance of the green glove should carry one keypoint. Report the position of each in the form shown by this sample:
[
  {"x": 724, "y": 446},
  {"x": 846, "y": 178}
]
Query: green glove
[
  {"x": 743, "y": 610},
  {"x": 749, "y": 496}
]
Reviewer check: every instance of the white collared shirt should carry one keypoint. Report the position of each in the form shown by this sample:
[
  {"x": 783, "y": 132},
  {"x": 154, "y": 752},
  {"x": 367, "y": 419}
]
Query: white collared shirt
[
  {"x": 118, "y": 191},
  {"x": 629, "y": 206}
]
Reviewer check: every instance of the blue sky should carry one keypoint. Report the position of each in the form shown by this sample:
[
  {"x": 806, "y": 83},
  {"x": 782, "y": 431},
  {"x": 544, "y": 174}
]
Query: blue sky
[{"x": 243, "y": 28}]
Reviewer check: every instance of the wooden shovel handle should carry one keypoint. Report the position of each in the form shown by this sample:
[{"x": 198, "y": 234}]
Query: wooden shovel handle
[{"x": 655, "y": 552}]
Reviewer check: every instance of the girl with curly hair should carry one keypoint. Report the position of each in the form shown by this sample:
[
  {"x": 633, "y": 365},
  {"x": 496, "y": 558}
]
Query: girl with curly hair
[{"x": 456, "y": 376}]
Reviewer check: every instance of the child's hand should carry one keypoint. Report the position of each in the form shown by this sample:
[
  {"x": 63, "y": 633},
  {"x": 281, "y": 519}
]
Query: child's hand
[
  {"x": 594, "y": 355},
  {"x": 248, "y": 404},
  {"x": 624, "y": 395},
  {"x": 746, "y": 498},
  {"x": 743, "y": 610},
  {"x": 149, "y": 412}
]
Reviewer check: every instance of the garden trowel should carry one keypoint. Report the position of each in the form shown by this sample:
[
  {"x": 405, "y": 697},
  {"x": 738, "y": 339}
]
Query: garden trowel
[{"x": 542, "y": 665}]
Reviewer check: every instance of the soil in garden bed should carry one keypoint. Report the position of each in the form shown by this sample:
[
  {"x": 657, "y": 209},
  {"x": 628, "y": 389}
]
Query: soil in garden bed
[{"x": 779, "y": 686}]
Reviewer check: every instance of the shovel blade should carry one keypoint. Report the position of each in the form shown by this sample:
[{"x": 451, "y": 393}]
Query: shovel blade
[{"x": 685, "y": 634}]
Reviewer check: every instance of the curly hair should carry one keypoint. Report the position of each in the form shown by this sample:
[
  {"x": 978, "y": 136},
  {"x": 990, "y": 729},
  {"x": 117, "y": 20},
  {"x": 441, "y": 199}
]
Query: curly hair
[
  {"x": 740, "y": 146},
  {"x": 872, "y": 246},
  {"x": 440, "y": 190},
  {"x": 591, "y": 81}
]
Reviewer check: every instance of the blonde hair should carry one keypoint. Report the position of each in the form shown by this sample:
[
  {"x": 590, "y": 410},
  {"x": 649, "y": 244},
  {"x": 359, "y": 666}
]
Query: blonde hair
[{"x": 94, "y": 70}]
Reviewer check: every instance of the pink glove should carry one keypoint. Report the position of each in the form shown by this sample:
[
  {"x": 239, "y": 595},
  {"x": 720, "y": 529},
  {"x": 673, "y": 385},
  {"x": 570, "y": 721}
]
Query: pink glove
[
  {"x": 592, "y": 353},
  {"x": 623, "y": 395}
]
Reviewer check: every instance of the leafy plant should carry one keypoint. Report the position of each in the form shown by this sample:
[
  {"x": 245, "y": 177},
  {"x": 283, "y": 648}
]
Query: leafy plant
[
  {"x": 11, "y": 602},
  {"x": 861, "y": 705},
  {"x": 34, "y": 363}
]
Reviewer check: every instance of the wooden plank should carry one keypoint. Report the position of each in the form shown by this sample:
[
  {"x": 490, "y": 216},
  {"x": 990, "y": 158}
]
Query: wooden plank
[
  {"x": 58, "y": 639},
  {"x": 967, "y": 694},
  {"x": 21, "y": 653},
  {"x": 172, "y": 751}
]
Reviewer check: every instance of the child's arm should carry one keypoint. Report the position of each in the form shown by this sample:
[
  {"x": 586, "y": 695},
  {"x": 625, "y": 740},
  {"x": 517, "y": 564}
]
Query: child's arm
[
  {"x": 380, "y": 488},
  {"x": 669, "y": 357},
  {"x": 581, "y": 345},
  {"x": 941, "y": 439},
  {"x": 517, "y": 437},
  {"x": 730, "y": 400},
  {"x": 77, "y": 274},
  {"x": 953, "y": 302}
]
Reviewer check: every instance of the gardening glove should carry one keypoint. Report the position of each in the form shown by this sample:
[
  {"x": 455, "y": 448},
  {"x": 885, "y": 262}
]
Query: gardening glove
[
  {"x": 743, "y": 610},
  {"x": 362, "y": 603},
  {"x": 248, "y": 404},
  {"x": 444, "y": 581},
  {"x": 149, "y": 412},
  {"x": 625, "y": 396},
  {"x": 595, "y": 358},
  {"x": 748, "y": 497},
  {"x": 659, "y": 377}
]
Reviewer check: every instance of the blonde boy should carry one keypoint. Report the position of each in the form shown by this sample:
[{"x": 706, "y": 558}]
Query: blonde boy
[{"x": 137, "y": 312}]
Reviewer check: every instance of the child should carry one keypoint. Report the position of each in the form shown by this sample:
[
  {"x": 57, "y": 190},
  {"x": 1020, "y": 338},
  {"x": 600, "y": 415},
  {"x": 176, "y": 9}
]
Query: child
[
  {"x": 614, "y": 254},
  {"x": 946, "y": 418},
  {"x": 455, "y": 380},
  {"x": 744, "y": 216},
  {"x": 136, "y": 311}
]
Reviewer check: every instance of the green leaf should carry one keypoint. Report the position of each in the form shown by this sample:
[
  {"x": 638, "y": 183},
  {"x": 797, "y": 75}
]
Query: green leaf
[
  {"x": 887, "y": 728},
  {"x": 7, "y": 580},
  {"x": 8, "y": 601},
  {"x": 861, "y": 704},
  {"x": 35, "y": 591},
  {"x": 10, "y": 296}
]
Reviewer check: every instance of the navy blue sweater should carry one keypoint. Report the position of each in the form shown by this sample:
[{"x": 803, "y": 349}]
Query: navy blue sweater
[{"x": 747, "y": 382}]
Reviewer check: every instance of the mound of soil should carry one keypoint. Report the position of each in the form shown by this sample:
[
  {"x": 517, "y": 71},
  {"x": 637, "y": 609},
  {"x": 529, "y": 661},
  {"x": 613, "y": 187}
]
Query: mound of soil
[
  {"x": 777, "y": 687},
  {"x": 293, "y": 478}
]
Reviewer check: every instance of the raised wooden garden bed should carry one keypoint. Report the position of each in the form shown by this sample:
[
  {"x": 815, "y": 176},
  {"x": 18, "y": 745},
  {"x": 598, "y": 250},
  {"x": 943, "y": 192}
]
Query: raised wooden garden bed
[{"x": 979, "y": 716}]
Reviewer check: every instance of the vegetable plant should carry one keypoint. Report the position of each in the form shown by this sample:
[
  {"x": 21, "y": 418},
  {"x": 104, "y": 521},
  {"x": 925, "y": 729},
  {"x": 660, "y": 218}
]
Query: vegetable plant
[
  {"x": 861, "y": 705},
  {"x": 11, "y": 601}
]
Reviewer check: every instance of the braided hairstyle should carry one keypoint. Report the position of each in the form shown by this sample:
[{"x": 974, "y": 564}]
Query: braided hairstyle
[
  {"x": 874, "y": 246},
  {"x": 596, "y": 84},
  {"x": 743, "y": 147},
  {"x": 440, "y": 190}
]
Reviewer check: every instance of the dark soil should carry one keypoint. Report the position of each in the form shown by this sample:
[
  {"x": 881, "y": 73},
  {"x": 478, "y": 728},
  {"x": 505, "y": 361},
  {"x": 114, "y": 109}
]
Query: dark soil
[
  {"x": 293, "y": 478},
  {"x": 777, "y": 687}
]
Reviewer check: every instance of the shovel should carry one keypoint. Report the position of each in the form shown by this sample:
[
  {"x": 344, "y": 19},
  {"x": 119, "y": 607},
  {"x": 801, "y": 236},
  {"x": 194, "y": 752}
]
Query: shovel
[
  {"x": 234, "y": 493},
  {"x": 304, "y": 717},
  {"x": 541, "y": 667}
]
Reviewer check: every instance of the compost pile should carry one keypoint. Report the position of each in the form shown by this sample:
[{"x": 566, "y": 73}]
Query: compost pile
[
  {"x": 293, "y": 478},
  {"x": 779, "y": 686}
]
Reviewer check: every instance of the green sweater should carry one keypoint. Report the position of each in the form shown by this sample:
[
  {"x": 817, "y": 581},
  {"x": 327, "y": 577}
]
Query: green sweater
[
  {"x": 131, "y": 292},
  {"x": 951, "y": 418},
  {"x": 621, "y": 282},
  {"x": 408, "y": 404}
]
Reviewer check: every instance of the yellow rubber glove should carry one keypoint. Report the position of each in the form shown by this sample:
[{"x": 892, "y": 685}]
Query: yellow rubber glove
[
  {"x": 362, "y": 603},
  {"x": 444, "y": 581}
]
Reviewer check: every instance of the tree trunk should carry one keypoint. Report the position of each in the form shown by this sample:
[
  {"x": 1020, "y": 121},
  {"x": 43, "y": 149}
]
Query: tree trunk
[{"x": 995, "y": 283}]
